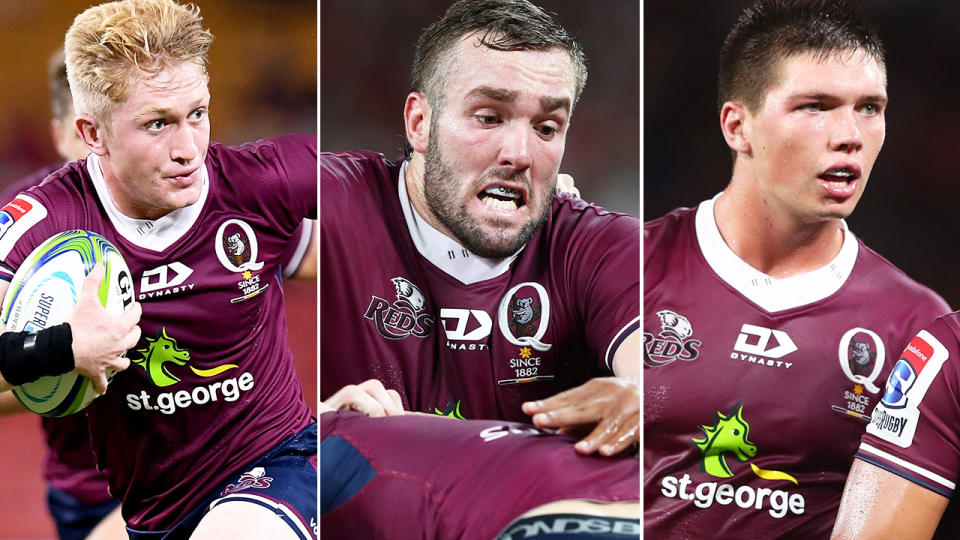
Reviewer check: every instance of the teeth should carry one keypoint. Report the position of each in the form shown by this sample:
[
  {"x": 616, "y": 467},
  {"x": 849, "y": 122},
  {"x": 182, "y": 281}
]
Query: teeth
[
  {"x": 503, "y": 192},
  {"x": 845, "y": 172},
  {"x": 499, "y": 203}
]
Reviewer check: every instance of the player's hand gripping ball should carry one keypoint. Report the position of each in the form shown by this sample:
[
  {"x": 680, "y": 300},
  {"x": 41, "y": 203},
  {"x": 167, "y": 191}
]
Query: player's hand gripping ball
[{"x": 42, "y": 293}]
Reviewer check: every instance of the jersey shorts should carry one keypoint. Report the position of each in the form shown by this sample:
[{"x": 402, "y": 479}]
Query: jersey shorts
[{"x": 283, "y": 480}]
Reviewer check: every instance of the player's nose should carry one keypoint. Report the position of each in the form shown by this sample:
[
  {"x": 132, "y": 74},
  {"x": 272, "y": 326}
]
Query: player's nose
[
  {"x": 846, "y": 135},
  {"x": 515, "y": 146},
  {"x": 183, "y": 145}
]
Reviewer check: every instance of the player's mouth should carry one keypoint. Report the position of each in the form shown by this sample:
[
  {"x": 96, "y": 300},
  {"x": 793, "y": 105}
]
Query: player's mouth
[
  {"x": 503, "y": 198},
  {"x": 840, "y": 182},
  {"x": 183, "y": 179}
]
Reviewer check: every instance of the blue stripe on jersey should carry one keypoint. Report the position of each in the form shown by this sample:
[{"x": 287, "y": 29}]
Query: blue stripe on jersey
[
  {"x": 920, "y": 481},
  {"x": 343, "y": 472},
  {"x": 627, "y": 332}
]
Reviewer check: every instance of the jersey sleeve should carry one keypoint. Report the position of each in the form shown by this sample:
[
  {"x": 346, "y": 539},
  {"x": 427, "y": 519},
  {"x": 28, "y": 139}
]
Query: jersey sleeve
[
  {"x": 297, "y": 248},
  {"x": 25, "y": 223},
  {"x": 606, "y": 280},
  {"x": 913, "y": 430},
  {"x": 298, "y": 158}
]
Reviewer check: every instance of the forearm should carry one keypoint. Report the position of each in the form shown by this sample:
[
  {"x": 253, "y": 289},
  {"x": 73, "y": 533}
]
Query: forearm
[{"x": 25, "y": 357}]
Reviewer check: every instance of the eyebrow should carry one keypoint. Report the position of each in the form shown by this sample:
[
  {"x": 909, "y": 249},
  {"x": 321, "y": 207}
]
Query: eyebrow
[
  {"x": 163, "y": 111},
  {"x": 547, "y": 103},
  {"x": 879, "y": 98}
]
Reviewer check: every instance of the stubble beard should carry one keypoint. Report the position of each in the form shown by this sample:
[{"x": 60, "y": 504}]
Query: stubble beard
[{"x": 440, "y": 191}]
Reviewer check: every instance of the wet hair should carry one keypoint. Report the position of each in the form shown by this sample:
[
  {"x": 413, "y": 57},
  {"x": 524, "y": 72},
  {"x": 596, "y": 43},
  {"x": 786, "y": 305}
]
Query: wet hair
[
  {"x": 770, "y": 31},
  {"x": 502, "y": 25},
  {"x": 111, "y": 46}
]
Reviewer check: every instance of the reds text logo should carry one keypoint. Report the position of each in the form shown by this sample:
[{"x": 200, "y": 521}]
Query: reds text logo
[
  {"x": 674, "y": 341},
  {"x": 404, "y": 317}
]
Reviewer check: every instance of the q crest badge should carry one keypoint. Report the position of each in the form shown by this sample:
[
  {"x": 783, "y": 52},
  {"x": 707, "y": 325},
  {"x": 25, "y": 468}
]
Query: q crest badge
[
  {"x": 237, "y": 250},
  {"x": 523, "y": 317},
  {"x": 862, "y": 355}
]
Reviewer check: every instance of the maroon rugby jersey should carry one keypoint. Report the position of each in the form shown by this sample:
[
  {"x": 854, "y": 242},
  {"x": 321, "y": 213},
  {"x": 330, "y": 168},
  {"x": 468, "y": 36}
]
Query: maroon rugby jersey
[
  {"x": 70, "y": 465},
  {"x": 915, "y": 429},
  {"x": 756, "y": 390},
  {"x": 455, "y": 333},
  {"x": 211, "y": 385},
  {"x": 438, "y": 478}
]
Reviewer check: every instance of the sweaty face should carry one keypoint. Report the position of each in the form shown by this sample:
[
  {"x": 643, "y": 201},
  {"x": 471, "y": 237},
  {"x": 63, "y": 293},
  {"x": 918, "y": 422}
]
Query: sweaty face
[
  {"x": 495, "y": 147},
  {"x": 156, "y": 142},
  {"x": 817, "y": 135}
]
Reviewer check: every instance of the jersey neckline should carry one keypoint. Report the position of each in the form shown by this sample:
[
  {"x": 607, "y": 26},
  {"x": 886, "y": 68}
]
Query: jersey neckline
[
  {"x": 153, "y": 234},
  {"x": 770, "y": 293},
  {"x": 464, "y": 266}
]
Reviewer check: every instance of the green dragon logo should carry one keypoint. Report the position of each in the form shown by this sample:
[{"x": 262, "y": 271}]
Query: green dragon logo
[
  {"x": 162, "y": 351},
  {"x": 729, "y": 433},
  {"x": 452, "y": 410}
]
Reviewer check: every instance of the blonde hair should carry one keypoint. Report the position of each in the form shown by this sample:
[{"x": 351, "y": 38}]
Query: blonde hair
[{"x": 110, "y": 47}]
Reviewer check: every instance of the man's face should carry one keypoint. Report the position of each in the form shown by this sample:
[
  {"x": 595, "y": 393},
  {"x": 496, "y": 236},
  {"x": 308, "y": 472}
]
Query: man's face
[
  {"x": 817, "y": 135},
  {"x": 156, "y": 142},
  {"x": 495, "y": 147}
]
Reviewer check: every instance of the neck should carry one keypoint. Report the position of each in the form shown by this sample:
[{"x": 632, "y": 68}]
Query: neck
[{"x": 778, "y": 245}]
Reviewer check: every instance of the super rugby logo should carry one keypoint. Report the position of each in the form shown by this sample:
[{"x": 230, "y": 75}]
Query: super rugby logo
[
  {"x": 895, "y": 418},
  {"x": 403, "y": 317},
  {"x": 862, "y": 355},
  {"x": 523, "y": 316},
  {"x": 16, "y": 217},
  {"x": 674, "y": 341}
]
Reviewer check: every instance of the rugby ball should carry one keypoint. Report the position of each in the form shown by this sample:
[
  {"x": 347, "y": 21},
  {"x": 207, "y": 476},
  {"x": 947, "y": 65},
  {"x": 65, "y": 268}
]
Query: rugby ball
[{"x": 42, "y": 293}]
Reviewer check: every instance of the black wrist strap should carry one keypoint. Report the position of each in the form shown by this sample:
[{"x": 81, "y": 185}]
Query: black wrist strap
[{"x": 26, "y": 357}]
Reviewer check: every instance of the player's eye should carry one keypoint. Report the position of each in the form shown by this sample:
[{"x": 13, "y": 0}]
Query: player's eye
[
  {"x": 811, "y": 107},
  {"x": 547, "y": 131},
  {"x": 488, "y": 119},
  {"x": 197, "y": 114},
  {"x": 155, "y": 125},
  {"x": 871, "y": 109}
]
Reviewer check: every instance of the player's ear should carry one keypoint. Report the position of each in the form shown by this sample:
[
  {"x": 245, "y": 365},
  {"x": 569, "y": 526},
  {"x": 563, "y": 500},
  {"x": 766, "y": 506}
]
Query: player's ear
[
  {"x": 734, "y": 123},
  {"x": 416, "y": 117},
  {"x": 91, "y": 131}
]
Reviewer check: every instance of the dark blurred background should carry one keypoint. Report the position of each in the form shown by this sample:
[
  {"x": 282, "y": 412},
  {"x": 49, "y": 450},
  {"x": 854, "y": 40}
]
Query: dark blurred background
[
  {"x": 907, "y": 212},
  {"x": 366, "y": 48},
  {"x": 263, "y": 82}
]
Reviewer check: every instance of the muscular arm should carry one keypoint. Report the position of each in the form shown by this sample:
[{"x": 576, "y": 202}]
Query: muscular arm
[{"x": 879, "y": 504}]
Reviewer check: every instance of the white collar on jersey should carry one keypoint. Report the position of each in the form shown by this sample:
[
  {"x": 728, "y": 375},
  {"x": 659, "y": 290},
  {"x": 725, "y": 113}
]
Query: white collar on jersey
[
  {"x": 444, "y": 252},
  {"x": 155, "y": 235},
  {"x": 772, "y": 294}
]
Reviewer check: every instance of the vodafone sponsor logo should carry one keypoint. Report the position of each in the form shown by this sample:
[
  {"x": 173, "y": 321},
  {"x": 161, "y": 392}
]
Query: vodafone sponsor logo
[{"x": 777, "y": 502}]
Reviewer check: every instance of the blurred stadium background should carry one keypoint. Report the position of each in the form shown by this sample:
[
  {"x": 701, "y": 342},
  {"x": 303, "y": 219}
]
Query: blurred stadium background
[
  {"x": 908, "y": 211},
  {"x": 366, "y": 48},
  {"x": 263, "y": 82}
]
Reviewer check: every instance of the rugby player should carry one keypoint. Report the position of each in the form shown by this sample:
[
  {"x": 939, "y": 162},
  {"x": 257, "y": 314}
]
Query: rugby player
[
  {"x": 77, "y": 495},
  {"x": 767, "y": 323},
  {"x": 463, "y": 479},
  {"x": 476, "y": 288},
  {"x": 212, "y": 394}
]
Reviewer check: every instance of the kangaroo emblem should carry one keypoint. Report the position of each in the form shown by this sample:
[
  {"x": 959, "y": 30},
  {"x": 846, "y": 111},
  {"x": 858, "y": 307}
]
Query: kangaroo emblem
[
  {"x": 162, "y": 351},
  {"x": 728, "y": 434}
]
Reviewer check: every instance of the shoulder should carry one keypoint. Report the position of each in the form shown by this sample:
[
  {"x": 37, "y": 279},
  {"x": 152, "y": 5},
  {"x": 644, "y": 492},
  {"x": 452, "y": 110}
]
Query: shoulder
[
  {"x": 355, "y": 166},
  {"x": 571, "y": 213},
  {"x": 879, "y": 274},
  {"x": 665, "y": 229},
  {"x": 272, "y": 154}
]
